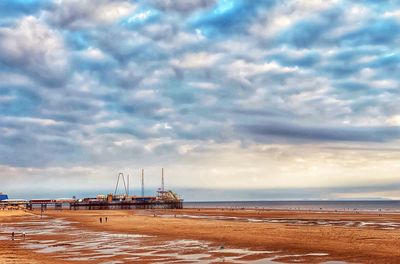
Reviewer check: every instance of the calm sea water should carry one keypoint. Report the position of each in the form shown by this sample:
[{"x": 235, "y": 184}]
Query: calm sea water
[{"x": 392, "y": 206}]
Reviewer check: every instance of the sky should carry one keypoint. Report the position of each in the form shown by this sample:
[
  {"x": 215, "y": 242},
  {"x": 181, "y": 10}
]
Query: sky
[{"x": 237, "y": 100}]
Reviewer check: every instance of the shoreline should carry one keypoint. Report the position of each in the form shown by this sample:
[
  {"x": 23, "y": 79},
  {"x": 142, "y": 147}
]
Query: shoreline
[
  {"x": 316, "y": 210},
  {"x": 373, "y": 206}
]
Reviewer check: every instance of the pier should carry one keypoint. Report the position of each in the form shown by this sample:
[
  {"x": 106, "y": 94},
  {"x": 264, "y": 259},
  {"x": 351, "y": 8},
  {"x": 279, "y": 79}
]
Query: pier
[{"x": 162, "y": 200}]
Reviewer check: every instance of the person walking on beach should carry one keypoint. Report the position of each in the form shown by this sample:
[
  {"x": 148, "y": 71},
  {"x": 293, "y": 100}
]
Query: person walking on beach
[
  {"x": 12, "y": 235},
  {"x": 23, "y": 235},
  {"x": 106, "y": 219},
  {"x": 101, "y": 220}
]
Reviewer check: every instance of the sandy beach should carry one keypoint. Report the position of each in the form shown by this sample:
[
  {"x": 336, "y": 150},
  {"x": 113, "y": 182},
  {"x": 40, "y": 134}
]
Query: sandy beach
[{"x": 232, "y": 236}]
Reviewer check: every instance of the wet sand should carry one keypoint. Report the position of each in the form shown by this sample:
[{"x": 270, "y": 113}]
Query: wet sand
[
  {"x": 10, "y": 250},
  {"x": 215, "y": 235}
]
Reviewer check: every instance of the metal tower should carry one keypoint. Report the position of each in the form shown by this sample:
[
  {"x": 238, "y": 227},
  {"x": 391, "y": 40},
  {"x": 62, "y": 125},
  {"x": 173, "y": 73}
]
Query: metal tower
[{"x": 142, "y": 182}]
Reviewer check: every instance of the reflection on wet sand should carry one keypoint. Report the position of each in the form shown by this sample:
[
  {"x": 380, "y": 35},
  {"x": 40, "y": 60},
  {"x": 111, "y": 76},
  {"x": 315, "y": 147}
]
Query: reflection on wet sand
[
  {"x": 384, "y": 225},
  {"x": 64, "y": 241}
]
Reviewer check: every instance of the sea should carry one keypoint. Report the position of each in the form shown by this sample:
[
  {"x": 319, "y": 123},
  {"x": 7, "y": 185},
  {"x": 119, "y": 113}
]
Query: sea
[{"x": 379, "y": 205}]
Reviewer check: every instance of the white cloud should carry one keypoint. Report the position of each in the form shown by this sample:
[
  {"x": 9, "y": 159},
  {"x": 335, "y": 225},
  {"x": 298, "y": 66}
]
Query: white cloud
[
  {"x": 178, "y": 40},
  {"x": 11, "y": 79},
  {"x": 393, "y": 120},
  {"x": 351, "y": 20},
  {"x": 287, "y": 14},
  {"x": 139, "y": 16},
  {"x": 93, "y": 53},
  {"x": 87, "y": 13},
  {"x": 196, "y": 60},
  {"x": 392, "y": 14},
  {"x": 204, "y": 85},
  {"x": 247, "y": 69},
  {"x": 145, "y": 94},
  {"x": 32, "y": 120},
  {"x": 35, "y": 48}
]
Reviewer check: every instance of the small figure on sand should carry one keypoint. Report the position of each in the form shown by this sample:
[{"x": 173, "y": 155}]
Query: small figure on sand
[
  {"x": 12, "y": 235},
  {"x": 106, "y": 219},
  {"x": 101, "y": 220},
  {"x": 23, "y": 235}
]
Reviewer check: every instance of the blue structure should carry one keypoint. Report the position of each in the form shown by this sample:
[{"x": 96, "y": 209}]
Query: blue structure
[{"x": 3, "y": 196}]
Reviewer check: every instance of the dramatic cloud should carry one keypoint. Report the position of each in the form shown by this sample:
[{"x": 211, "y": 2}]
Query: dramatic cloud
[
  {"x": 182, "y": 6},
  {"x": 32, "y": 47},
  {"x": 326, "y": 134},
  {"x": 76, "y": 14},
  {"x": 224, "y": 94}
]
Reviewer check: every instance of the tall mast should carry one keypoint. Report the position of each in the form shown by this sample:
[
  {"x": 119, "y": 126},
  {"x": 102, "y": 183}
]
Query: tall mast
[
  {"x": 116, "y": 186},
  {"x": 123, "y": 180},
  {"x": 142, "y": 182},
  {"x": 127, "y": 188},
  {"x": 162, "y": 179}
]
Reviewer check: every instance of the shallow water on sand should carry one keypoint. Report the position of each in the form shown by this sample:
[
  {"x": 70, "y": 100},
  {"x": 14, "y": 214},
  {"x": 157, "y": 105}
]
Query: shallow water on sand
[
  {"x": 61, "y": 239},
  {"x": 385, "y": 225},
  {"x": 350, "y": 206}
]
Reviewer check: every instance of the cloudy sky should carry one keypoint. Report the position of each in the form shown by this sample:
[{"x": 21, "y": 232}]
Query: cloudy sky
[{"x": 235, "y": 99}]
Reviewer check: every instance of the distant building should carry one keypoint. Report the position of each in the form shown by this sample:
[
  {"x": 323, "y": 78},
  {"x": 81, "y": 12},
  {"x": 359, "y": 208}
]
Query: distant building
[{"x": 3, "y": 196}]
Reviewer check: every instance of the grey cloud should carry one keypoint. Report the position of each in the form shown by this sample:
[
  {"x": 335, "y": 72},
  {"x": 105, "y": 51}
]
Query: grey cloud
[
  {"x": 263, "y": 112},
  {"x": 26, "y": 149},
  {"x": 305, "y": 134},
  {"x": 182, "y": 6},
  {"x": 374, "y": 32},
  {"x": 312, "y": 30},
  {"x": 35, "y": 49}
]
